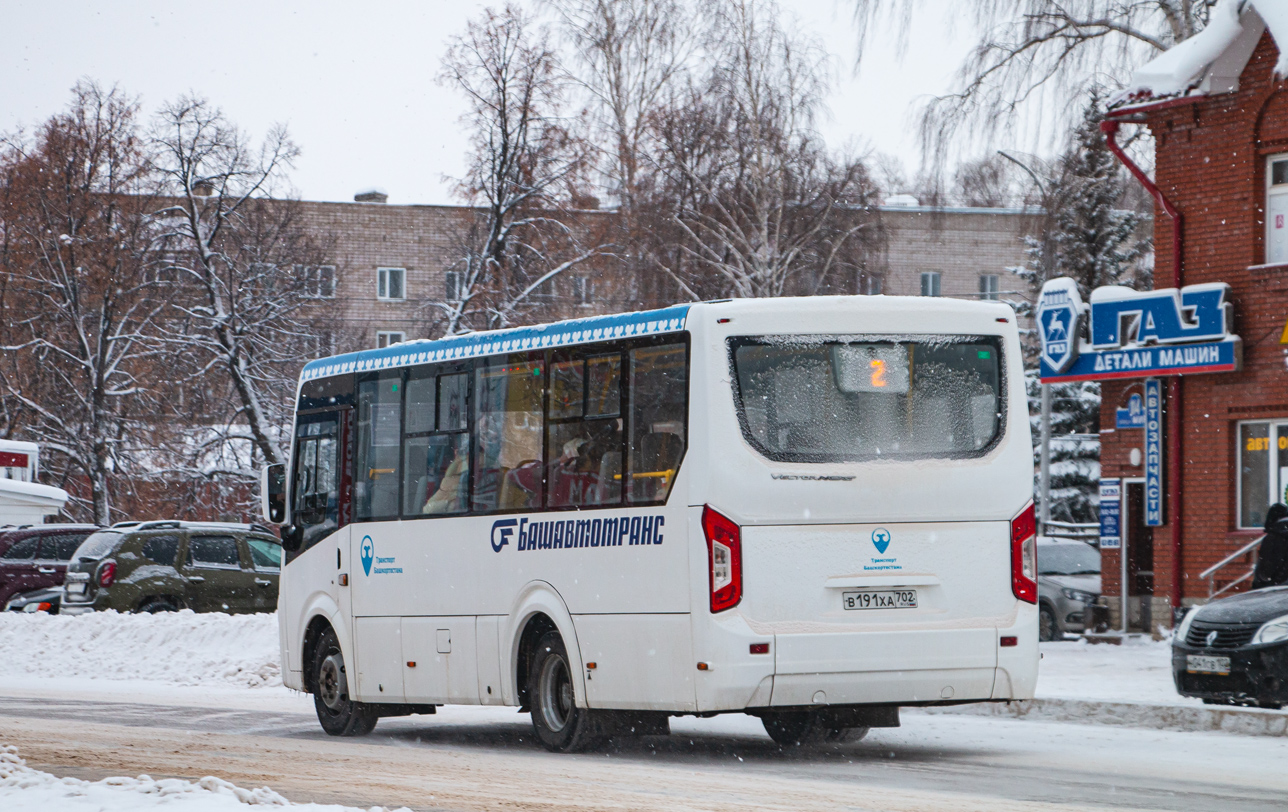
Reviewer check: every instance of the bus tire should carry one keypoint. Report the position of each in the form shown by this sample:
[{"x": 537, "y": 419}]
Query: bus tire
[
  {"x": 561, "y": 726},
  {"x": 338, "y": 714},
  {"x": 802, "y": 728}
]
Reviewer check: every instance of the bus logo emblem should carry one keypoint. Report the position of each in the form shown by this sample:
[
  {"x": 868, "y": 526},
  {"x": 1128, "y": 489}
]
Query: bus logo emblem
[
  {"x": 367, "y": 552},
  {"x": 881, "y": 539},
  {"x": 504, "y": 528}
]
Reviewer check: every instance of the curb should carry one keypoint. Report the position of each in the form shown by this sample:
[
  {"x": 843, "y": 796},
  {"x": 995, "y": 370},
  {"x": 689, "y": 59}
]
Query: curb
[{"x": 1240, "y": 721}]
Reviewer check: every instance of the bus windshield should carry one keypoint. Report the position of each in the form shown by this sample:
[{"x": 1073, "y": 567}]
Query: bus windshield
[{"x": 805, "y": 399}]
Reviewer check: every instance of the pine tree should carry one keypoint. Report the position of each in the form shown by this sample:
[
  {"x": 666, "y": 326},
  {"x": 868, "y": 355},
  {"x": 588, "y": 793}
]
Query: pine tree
[{"x": 1091, "y": 238}]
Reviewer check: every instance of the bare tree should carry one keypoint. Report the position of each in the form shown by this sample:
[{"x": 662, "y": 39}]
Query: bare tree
[
  {"x": 631, "y": 54},
  {"x": 526, "y": 169},
  {"x": 988, "y": 182},
  {"x": 756, "y": 205},
  {"x": 1029, "y": 52},
  {"x": 245, "y": 268},
  {"x": 81, "y": 297}
]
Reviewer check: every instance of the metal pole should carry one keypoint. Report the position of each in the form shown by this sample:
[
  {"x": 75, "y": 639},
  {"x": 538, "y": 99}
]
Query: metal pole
[{"x": 1044, "y": 509}]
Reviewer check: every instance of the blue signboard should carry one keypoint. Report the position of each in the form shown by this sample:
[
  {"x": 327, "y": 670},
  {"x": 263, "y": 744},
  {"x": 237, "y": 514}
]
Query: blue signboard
[
  {"x": 1111, "y": 514},
  {"x": 1135, "y": 334},
  {"x": 1139, "y": 362},
  {"x": 1133, "y": 417},
  {"x": 1153, "y": 453}
]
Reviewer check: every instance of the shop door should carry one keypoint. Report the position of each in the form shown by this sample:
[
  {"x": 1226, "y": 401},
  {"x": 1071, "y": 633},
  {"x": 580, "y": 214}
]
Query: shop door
[{"x": 1138, "y": 560}]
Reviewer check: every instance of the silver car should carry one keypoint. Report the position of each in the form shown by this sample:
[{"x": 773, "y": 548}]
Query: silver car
[{"x": 1068, "y": 585}]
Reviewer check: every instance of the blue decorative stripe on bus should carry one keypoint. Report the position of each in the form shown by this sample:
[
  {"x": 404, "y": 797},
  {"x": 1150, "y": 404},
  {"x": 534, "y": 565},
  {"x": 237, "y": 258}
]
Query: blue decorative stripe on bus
[
  {"x": 516, "y": 339},
  {"x": 565, "y": 534}
]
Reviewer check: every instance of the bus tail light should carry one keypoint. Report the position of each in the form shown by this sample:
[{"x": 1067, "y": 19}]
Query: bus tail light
[
  {"x": 1024, "y": 555},
  {"x": 724, "y": 554},
  {"x": 107, "y": 573}
]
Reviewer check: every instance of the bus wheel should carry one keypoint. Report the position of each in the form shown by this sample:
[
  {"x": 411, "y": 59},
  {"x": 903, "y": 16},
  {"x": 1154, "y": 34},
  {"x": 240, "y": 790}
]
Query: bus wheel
[
  {"x": 561, "y": 726},
  {"x": 795, "y": 728},
  {"x": 339, "y": 715}
]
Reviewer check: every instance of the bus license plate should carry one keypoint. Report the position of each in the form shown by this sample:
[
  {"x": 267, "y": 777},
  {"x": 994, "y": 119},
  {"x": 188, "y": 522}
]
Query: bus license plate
[
  {"x": 880, "y": 599},
  {"x": 1199, "y": 664}
]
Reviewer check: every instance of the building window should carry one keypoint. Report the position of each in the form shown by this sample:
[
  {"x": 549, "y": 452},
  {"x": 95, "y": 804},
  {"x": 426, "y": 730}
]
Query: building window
[
  {"x": 583, "y": 290},
  {"x": 930, "y": 283},
  {"x": 387, "y": 338},
  {"x": 391, "y": 284},
  {"x": 989, "y": 287},
  {"x": 873, "y": 285},
  {"x": 452, "y": 286},
  {"x": 1263, "y": 469},
  {"x": 319, "y": 280},
  {"x": 1277, "y": 210}
]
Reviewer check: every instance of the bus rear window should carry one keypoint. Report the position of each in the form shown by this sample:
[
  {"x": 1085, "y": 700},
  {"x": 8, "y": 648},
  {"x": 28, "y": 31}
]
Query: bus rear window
[{"x": 843, "y": 400}]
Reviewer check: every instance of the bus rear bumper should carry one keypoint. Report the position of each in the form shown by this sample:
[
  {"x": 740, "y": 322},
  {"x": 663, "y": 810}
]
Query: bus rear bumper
[{"x": 913, "y": 667}]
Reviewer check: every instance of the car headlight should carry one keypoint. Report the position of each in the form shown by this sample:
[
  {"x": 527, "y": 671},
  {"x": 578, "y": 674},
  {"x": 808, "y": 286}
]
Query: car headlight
[
  {"x": 1076, "y": 595},
  {"x": 1272, "y": 632},
  {"x": 1183, "y": 628}
]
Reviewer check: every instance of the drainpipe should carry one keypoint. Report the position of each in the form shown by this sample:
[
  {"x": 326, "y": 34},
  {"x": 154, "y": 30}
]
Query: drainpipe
[{"x": 1110, "y": 128}]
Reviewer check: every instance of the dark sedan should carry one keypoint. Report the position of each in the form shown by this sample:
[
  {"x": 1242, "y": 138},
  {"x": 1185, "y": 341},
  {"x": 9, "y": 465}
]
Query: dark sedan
[
  {"x": 1234, "y": 651},
  {"x": 40, "y": 600}
]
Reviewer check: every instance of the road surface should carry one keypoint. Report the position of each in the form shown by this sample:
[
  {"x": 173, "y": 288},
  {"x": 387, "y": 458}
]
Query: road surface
[{"x": 485, "y": 758}]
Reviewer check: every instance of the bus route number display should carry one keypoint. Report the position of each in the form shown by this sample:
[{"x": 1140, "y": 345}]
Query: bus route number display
[{"x": 871, "y": 368}]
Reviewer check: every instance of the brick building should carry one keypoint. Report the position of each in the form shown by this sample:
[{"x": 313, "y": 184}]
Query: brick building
[
  {"x": 392, "y": 264},
  {"x": 955, "y": 251},
  {"x": 1220, "y": 126}
]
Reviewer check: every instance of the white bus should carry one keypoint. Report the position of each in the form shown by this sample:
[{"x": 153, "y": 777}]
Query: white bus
[{"x": 810, "y": 510}]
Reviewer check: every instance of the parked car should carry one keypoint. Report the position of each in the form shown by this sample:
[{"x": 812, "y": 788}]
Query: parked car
[
  {"x": 1234, "y": 651},
  {"x": 164, "y": 566},
  {"x": 1068, "y": 586},
  {"x": 35, "y": 556},
  {"x": 40, "y": 600}
]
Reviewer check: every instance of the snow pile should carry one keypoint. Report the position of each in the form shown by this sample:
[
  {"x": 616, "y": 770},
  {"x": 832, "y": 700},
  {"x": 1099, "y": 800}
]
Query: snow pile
[
  {"x": 1139, "y": 670},
  {"x": 24, "y": 788},
  {"x": 181, "y": 648}
]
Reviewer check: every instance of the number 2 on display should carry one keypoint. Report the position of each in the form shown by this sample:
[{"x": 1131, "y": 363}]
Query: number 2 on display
[{"x": 878, "y": 372}]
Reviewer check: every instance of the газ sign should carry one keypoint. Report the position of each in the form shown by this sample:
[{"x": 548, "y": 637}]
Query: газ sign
[{"x": 1135, "y": 334}]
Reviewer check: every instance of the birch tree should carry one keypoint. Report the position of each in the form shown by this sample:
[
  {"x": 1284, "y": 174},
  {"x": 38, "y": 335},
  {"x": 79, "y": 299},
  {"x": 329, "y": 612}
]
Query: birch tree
[
  {"x": 82, "y": 298},
  {"x": 757, "y": 206},
  {"x": 244, "y": 264},
  {"x": 1031, "y": 56},
  {"x": 526, "y": 167}
]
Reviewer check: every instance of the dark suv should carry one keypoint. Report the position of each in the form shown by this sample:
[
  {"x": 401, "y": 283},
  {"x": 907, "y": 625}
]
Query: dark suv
[
  {"x": 35, "y": 556},
  {"x": 165, "y": 566}
]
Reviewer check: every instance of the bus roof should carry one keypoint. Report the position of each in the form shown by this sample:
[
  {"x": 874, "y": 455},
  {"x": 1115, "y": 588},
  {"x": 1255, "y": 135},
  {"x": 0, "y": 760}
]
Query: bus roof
[
  {"x": 944, "y": 311},
  {"x": 514, "y": 339}
]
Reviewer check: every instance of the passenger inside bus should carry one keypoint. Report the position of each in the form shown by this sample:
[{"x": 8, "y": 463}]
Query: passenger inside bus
[{"x": 449, "y": 489}]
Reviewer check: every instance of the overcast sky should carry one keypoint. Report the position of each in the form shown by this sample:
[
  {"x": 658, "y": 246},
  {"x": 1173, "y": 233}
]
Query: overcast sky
[{"x": 355, "y": 82}]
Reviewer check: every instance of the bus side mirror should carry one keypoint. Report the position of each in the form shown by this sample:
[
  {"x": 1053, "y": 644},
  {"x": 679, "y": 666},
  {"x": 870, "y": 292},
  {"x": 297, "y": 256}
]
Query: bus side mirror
[{"x": 272, "y": 493}]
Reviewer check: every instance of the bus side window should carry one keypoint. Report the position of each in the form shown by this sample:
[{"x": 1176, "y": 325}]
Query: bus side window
[
  {"x": 584, "y": 452},
  {"x": 437, "y": 444},
  {"x": 376, "y": 475},
  {"x": 508, "y": 434},
  {"x": 317, "y": 477},
  {"x": 658, "y": 395}
]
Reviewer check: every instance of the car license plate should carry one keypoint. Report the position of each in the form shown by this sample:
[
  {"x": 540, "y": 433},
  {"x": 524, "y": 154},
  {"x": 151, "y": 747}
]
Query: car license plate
[
  {"x": 880, "y": 599},
  {"x": 1199, "y": 664},
  {"x": 75, "y": 588}
]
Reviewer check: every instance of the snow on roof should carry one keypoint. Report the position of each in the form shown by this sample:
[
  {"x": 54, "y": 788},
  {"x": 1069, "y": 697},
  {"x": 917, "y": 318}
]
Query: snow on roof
[
  {"x": 1210, "y": 61},
  {"x": 31, "y": 493}
]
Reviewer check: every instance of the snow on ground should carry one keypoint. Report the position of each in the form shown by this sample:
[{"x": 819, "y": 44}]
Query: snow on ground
[
  {"x": 1139, "y": 670},
  {"x": 177, "y": 648},
  {"x": 106, "y": 652},
  {"x": 23, "y": 788}
]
